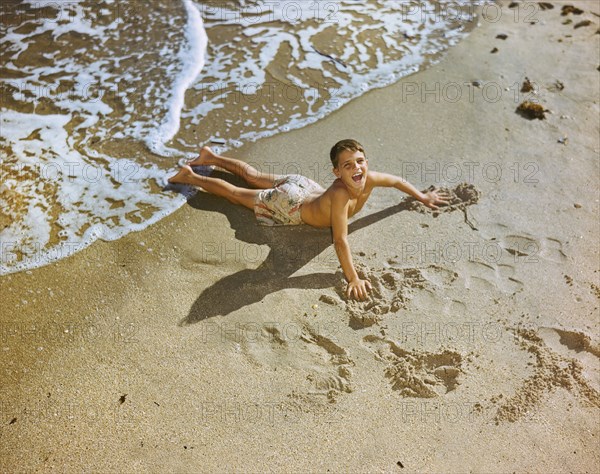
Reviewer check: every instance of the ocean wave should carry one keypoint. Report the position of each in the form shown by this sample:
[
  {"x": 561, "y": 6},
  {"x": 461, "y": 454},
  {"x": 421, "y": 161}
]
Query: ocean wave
[{"x": 100, "y": 99}]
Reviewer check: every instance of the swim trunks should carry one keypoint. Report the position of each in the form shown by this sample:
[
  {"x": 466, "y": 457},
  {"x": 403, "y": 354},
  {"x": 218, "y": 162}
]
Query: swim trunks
[{"x": 282, "y": 204}]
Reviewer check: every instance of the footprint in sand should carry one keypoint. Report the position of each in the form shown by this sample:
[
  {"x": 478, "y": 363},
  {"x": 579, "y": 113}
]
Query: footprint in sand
[
  {"x": 520, "y": 246},
  {"x": 327, "y": 383},
  {"x": 434, "y": 301},
  {"x": 439, "y": 295},
  {"x": 552, "y": 249},
  {"x": 528, "y": 249},
  {"x": 524, "y": 247},
  {"x": 552, "y": 370},
  {"x": 415, "y": 373},
  {"x": 439, "y": 276},
  {"x": 573, "y": 340},
  {"x": 328, "y": 364},
  {"x": 487, "y": 277},
  {"x": 578, "y": 346}
]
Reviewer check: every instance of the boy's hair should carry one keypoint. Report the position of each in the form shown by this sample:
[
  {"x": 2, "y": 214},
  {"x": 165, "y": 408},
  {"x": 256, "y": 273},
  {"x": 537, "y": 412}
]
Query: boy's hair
[{"x": 339, "y": 147}]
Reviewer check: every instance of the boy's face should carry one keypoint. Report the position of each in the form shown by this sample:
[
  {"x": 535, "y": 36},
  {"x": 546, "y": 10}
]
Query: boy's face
[{"x": 352, "y": 169}]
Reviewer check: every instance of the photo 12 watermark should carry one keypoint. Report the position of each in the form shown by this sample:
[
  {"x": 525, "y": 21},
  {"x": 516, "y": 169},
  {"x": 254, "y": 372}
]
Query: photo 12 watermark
[
  {"x": 472, "y": 172},
  {"x": 235, "y": 412},
  {"x": 36, "y": 253},
  {"x": 466, "y": 10},
  {"x": 466, "y": 332},
  {"x": 122, "y": 171},
  {"x": 444, "y": 412},
  {"x": 216, "y": 252},
  {"x": 249, "y": 93},
  {"x": 453, "y": 92},
  {"x": 33, "y": 93},
  {"x": 452, "y": 332},
  {"x": 48, "y": 333},
  {"x": 267, "y": 11},
  {"x": 425, "y": 252},
  {"x": 61, "y": 12},
  {"x": 261, "y": 332}
]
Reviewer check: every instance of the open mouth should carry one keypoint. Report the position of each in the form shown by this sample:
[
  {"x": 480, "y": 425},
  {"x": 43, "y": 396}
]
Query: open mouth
[{"x": 357, "y": 177}]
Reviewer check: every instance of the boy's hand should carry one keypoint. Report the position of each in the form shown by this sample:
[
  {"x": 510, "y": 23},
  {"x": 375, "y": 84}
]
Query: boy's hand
[
  {"x": 432, "y": 199},
  {"x": 358, "y": 289}
]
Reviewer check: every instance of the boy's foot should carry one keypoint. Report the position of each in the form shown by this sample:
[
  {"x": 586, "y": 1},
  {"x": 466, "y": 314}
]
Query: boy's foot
[
  {"x": 182, "y": 176},
  {"x": 205, "y": 158}
]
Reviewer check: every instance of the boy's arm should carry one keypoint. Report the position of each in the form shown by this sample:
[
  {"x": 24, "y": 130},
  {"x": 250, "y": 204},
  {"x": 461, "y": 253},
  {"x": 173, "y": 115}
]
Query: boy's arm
[
  {"x": 340, "y": 201},
  {"x": 431, "y": 198}
]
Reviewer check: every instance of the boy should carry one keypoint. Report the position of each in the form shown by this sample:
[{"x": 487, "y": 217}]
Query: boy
[{"x": 295, "y": 199}]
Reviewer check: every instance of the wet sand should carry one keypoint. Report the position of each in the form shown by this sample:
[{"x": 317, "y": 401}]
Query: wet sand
[{"x": 207, "y": 343}]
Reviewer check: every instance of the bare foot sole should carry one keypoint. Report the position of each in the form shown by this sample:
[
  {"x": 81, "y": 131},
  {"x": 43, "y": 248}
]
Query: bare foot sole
[
  {"x": 204, "y": 159},
  {"x": 181, "y": 176}
]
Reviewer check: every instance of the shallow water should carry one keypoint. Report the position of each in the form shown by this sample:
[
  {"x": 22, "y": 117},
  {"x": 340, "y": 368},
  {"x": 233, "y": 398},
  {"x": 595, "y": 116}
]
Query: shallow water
[{"x": 101, "y": 99}]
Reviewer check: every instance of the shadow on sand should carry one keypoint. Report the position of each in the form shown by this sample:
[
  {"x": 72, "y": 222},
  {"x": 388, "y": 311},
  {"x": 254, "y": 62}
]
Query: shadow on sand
[{"x": 292, "y": 247}]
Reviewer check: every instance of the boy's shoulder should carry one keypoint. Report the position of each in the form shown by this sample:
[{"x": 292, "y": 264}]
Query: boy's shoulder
[{"x": 338, "y": 190}]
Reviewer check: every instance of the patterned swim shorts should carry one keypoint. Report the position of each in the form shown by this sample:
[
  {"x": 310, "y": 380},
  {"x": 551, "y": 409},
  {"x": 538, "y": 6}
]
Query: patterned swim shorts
[{"x": 282, "y": 204}]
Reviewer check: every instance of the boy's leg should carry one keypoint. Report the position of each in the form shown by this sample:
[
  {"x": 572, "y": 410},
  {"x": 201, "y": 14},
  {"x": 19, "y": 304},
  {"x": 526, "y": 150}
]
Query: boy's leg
[
  {"x": 216, "y": 186},
  {"x": 254, "y": 177}
]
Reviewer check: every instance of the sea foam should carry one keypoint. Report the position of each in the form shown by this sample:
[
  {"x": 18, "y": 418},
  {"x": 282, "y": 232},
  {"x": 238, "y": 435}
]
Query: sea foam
[{"x": 100, "y": 100}]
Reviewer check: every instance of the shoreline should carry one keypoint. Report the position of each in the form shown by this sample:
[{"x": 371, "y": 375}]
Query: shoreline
[{"x": 194, "y": 347}]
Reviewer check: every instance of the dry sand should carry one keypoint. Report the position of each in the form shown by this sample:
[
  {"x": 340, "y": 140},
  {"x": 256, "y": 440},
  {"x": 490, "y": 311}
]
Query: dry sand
[{"x": 227, "y": 347}]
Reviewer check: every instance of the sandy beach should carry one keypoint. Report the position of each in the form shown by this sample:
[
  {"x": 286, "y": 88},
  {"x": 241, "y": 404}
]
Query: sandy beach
[{"x": 208, "y": 343}]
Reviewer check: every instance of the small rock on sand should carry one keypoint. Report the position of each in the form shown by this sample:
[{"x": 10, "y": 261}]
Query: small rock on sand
[
  {"x": 527, "y": 85},
  {"x": 328, "y": 299},
  {"x": 531, "y": 110},
  {"x": 566, "y": 9}
]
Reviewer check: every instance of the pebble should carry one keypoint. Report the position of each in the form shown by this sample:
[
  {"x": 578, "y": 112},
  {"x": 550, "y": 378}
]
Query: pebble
[{"x": 327, "y": 299}]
